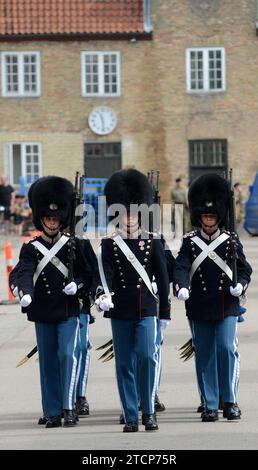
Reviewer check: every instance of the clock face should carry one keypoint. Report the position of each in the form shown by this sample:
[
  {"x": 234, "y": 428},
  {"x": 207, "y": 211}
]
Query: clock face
[{"x": 102, "y": 120}]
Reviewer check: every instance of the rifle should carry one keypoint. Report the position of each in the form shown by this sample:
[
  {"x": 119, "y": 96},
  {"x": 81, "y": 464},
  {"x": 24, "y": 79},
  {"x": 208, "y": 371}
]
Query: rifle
[
  {"x": 72, "y": 225},
  {"x": 153, "y": 177},
  {"x": 232, "y": 229},
  {"x": 28, "y": 356}
]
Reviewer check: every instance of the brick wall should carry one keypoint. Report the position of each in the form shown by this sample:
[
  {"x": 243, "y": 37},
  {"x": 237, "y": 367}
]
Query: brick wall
[{"x": 156, "y": 116}]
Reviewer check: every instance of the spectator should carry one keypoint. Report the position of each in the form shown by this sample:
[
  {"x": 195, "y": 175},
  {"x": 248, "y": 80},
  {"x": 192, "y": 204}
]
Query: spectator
[
  {"x": 18, "y": 212},
  {"x": 179, "y": 198},
  {"x": 239, "y": 204},
  {"x": 6, "y": 199}
]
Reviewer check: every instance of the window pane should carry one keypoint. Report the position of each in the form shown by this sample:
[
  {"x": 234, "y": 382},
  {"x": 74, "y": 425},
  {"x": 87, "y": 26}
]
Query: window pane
[
  {"x": 17, "y": 165},
  {"x": 91, "y": 74},
  {"x": 11, "y": 73},
  {"x": 196, "y": 70},
  {"x": 110, "y": 73},
  {"x": 29, "y": 73},
  {"x": 215, "y": 70}
]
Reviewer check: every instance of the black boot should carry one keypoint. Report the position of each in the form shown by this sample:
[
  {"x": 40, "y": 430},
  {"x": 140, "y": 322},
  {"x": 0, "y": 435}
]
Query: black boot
[
  {"x": 231, "y": 411},
  {"x": 83, "y": 408},
  {"x": 69, "y": 418},
  {"x": 209, "y": 416},
  {"x": 131, "y": 427},
  {"x": 54, "y": 422},
  {"x": 149, "y": 421},
  {"x": 121, "y": 419},
  {"x": 158, "y": 406},
  {"x": 201, "y": 407},
  {"x": 42, "y": 420}
]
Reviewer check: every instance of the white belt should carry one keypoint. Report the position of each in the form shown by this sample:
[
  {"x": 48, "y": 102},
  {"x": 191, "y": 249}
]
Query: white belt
[
  {"x": 208, "y": 251},
  {"x": 49, "y": 257},
  {"x": 135, "y": 263},
  {"x": 101, "y": 272}
]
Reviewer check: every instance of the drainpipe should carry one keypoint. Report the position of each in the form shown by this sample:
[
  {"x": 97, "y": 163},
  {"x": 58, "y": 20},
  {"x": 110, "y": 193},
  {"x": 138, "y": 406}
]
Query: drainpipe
[
  {"x": 257, "y": 17},
  {"x": 147, "y": 15}
]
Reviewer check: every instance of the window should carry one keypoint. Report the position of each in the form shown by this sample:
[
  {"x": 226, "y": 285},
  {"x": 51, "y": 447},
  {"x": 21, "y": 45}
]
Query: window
[
  {"x": 23, "y": 160},
  {"x": 205, "y": 70},
  {"x": 208, "y": 156},
  {"x": 100, "y": 73},
  {"x": 20, "y": 74}
]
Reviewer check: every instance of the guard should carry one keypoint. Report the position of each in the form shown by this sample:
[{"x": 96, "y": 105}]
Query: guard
[
  {"x": 49, "y": 299},
  {"x": 203, "y": 278},
  {"x": 127, "y": 262}
]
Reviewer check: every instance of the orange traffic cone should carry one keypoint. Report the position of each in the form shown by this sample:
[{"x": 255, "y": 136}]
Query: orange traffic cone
[
  {"x": 9, "y": 266},
  {"x": 8, "y": 252}
]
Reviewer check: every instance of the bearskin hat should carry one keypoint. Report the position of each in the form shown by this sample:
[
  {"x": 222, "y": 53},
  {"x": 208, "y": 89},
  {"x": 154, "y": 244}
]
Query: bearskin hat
[
  {"x": 209, "y": 194},
  {"x": 51, "y": 196},
  {"x": 128, "y": 187}
]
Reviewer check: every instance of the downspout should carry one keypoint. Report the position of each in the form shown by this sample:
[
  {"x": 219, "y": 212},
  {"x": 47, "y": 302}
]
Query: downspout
[
  {"x": 257, "y": 17},
  {"x": 147, "y": 16}
]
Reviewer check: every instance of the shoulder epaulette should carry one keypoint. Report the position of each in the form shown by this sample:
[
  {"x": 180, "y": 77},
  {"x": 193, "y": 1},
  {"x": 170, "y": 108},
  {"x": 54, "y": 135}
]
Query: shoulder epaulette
[
  {"x": 27, "y": 242},
  {"x": 190, "y": 234}
]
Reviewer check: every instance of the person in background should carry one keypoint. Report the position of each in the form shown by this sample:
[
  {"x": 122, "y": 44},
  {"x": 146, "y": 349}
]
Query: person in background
[
  {"x": 181, "y": 222},
  {"x": 18, "y": 211},
  {"x": 6, "y": 200},
  {"x": 239, "y": 204}
]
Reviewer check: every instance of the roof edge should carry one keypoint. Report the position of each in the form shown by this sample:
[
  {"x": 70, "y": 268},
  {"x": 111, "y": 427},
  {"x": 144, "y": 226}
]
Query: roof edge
[{"x": 76, "y": 36}]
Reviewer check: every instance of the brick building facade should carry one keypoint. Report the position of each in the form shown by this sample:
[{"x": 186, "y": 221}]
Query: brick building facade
[{"x": 181, "y": 82}]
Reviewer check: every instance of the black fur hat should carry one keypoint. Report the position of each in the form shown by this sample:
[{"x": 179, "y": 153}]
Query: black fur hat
[
  {"x": 128, "y": 187},
  {"x": 51, "y": 196},
  {"x": 209, "y": 194}
]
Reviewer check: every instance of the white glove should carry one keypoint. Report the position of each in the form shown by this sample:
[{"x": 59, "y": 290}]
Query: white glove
[
  {"x": 183, "y": 294},
  {"x": 105, "y": 302},
  {"x": 164, "y": 324},
  {"x": 15, "y": 292},
  {"x": 26, "y": 300},
  {"x": 236, "y": 291},
  {"x": 70, "y": 289}
]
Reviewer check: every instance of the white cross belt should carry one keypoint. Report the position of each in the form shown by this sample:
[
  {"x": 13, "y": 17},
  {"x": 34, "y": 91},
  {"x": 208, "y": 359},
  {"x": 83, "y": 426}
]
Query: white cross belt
[
  {"x": 208, "y": 251},
  {"x": 49, "y": 256}
]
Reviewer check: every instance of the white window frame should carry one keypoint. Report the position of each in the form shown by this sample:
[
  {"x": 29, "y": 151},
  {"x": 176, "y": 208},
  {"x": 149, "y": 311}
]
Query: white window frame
[
  {"x": 9, "y": 159},
  {"x": 206, "y": 87},
  {"x": 101, "y": 83},
  {"x": 20, "y": 93}
]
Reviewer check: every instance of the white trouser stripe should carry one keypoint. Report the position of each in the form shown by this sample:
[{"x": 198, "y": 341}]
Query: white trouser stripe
[
  {"x": 156, "y": 366},
  {"x": 71, "y": 397},
  {"x": 236, "y": 368},
  {"x": 87, "y": 362}
]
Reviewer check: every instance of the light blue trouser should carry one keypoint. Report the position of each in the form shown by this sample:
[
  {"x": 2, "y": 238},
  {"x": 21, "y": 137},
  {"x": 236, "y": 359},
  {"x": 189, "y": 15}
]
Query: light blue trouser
[
  {"x": 135, "y": 346},
  {"x": 57, "y": 347},
  {"x": 159, "y": 342},
  {"x": 217, "y": 360},
  {"x": 84, "y": 356}
]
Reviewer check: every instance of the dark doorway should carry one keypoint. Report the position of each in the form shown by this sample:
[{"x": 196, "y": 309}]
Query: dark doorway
[
  {"x": 207, "y": 156},
  {"x": 101, "y": 160}
]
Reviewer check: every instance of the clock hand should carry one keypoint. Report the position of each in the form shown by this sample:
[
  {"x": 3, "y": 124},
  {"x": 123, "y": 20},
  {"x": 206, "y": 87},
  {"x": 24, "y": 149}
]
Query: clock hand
[{"x": 102, "y": 122}]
